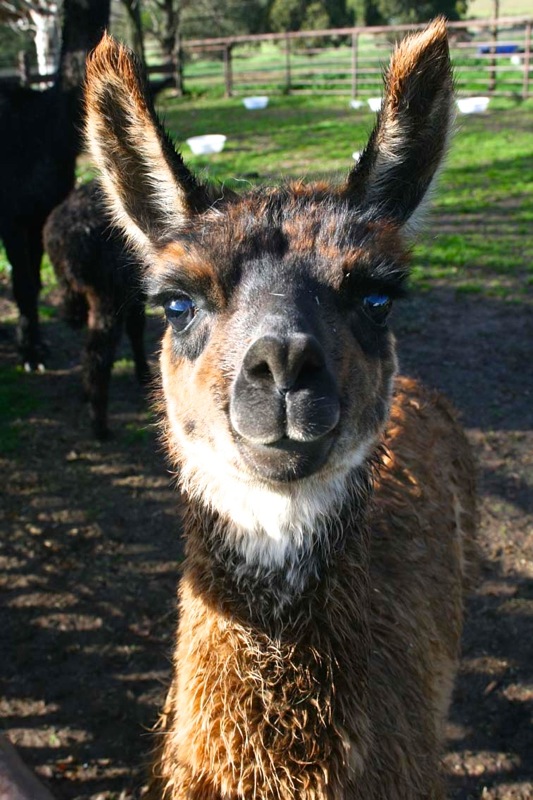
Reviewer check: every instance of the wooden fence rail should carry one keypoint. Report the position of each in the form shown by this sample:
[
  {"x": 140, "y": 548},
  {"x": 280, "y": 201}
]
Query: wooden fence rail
[{"x": 490, "y": 57}]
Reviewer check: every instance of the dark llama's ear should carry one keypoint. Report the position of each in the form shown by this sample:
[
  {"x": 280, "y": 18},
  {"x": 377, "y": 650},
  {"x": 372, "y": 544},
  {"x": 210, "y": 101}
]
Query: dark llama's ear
[
  {"x": 410, "y": 138},
  {"x": 148, "y": 187}
]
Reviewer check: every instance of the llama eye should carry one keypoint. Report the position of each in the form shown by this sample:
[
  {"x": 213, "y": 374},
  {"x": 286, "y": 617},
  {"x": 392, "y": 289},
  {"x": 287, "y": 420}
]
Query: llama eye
[
  {"x": 180, "y": 312},
  {"x": 377, "y": 307}
]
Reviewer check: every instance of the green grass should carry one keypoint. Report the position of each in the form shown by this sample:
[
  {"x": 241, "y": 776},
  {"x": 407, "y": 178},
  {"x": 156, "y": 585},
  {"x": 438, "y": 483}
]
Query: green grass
[
  {"x": 294, "y": 136},
  {"x": 484, "y": 9},
  {"x": 262, "y": 68},
  {"x": 483, "y": 208},
  {"x": 19, "y": 396},
  {"x": 135, "y": 434}
]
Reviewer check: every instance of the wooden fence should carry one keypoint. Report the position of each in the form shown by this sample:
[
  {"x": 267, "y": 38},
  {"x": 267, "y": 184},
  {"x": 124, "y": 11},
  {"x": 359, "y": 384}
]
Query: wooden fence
[{"x": 490, "y": 57}]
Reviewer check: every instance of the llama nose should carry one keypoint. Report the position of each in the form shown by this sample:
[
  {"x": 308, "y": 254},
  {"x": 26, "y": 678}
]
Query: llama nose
[
  {"x": 284, "y": 391},
  {"x": 283, "y": 362}
]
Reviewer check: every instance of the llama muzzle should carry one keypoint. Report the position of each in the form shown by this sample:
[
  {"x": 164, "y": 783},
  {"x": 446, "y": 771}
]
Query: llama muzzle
[{"x": 284, "y": 402}]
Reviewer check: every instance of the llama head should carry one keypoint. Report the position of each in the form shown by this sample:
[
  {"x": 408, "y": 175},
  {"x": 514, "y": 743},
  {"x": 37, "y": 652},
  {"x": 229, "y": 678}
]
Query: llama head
[{"x": 277, "y": 361}]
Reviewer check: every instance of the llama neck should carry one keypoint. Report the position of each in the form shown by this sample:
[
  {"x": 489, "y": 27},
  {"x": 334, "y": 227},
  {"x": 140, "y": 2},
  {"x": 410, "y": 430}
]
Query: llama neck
[
  {"x": 270, "y": 686},
  {"x": 267, "y": 575}
]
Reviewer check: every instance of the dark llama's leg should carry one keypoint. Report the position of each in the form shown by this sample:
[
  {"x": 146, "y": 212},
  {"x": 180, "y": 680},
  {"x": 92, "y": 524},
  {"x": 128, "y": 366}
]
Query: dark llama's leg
[
  {"x": 135, "y": 323},
  {"x": 24, "y": 252},
  {"x": 74, "y": 307},
  {"x": 99, "y": 355}
]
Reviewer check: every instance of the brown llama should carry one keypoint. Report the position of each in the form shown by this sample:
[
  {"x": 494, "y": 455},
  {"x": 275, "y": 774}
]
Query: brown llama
[
  {"x": 99, "y": 279},
  {"x": 329, "y": 505}
]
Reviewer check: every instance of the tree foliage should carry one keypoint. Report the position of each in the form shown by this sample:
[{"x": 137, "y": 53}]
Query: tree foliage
[
  {"x": 210, "y": 18},
  {"x": 394, "y": 12},
  {"x": 296, "y": 15}
]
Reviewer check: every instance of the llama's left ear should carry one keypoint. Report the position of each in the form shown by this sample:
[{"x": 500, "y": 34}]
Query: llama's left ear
[
  {"x": 150, "y": 191},
  {"x": 407, "y": 145}
]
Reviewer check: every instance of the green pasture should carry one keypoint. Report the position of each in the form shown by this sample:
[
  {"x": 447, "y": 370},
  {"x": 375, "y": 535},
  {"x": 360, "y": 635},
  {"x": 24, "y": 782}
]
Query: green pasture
[
  {"x": 261, "y": 68},
  {"x": 19, "y": 396},
  {"x": 484, "y": 9}
]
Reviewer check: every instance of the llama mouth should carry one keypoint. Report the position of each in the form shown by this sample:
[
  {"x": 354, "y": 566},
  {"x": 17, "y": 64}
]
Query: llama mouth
[{"x": 286, "y": 460}]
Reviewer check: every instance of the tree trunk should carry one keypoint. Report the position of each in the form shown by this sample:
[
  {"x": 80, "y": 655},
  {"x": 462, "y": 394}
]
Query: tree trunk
[
  {"x": 133, "y": 9},
  {"x": 177, "y": 63},
  {"x": 46, "y": 38},
  {"x": 83, "y": 25},
  {"x": 171, "y": 42}
]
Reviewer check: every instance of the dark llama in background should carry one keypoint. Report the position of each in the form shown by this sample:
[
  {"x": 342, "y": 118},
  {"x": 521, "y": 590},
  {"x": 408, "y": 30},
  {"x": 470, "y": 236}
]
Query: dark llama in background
[
  {"x": 40, "y": 138},
  {"x": 101, "y": 288},
  {"x": 329, "y": 504}
]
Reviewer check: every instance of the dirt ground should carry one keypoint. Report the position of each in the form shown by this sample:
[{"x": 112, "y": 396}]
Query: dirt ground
[{"x": 90, "y": 554}]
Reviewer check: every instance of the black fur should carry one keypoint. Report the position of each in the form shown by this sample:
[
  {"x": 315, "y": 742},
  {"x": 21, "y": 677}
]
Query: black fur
[
  {"x": 100, "y": 285},
  {"x": 40, "y": 137}
]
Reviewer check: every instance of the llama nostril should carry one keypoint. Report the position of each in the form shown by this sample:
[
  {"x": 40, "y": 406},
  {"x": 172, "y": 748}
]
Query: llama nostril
[
  {"x": 309, "y": 362},
  {"x": 260, "y": 371}
]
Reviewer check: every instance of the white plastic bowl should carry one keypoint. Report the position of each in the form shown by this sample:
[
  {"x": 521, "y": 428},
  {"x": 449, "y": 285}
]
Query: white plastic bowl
[
  {"x": 252, "y": 103},
  {"x": 357, "y": 104},
  {"x": 472, "y": 105},
  {"x": 374, "y": 103},
  {"x": 204, "y": 145}
]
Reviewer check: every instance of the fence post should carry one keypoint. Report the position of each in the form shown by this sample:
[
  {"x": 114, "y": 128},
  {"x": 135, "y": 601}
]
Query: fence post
[
  {"x": 493, "y": 50},
  {"x": 24, "y": 68},
  {"x": 355, "y": 48},
  {"x": 527, "y": 61},
  {"x": 228, "y": 71},
  {"x": 287, "y": 65},
  {"x": 176, "y": 64}
]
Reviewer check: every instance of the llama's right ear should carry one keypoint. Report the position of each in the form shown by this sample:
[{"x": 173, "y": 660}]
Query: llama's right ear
[
  {"x": 148, "y": 187},
  {"x": 406, "y": 148}
]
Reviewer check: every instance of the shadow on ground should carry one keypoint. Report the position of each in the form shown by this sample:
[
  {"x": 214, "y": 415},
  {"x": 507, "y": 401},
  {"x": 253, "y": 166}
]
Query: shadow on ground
[{"x": 475, "y": 349}]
